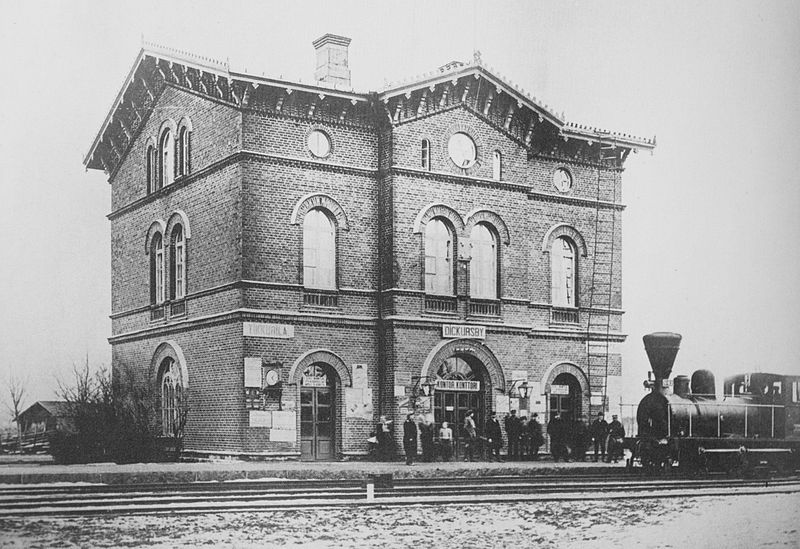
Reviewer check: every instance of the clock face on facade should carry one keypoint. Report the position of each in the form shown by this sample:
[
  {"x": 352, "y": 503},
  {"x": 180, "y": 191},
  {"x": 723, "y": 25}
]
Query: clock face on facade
[
  {"x": 319, "y": 144},
  {"x": 462, "y": 150},
  {"x": 562, "y": 180},
  {"x": 272, "y": 378}
]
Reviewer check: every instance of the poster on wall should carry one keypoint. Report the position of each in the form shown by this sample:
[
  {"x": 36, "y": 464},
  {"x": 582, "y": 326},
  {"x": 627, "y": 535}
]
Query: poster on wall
[
  {"x": 260, "y": 418},
  {"x": 501, "y": 404},
  {"x": 252, "y": 372},
  {"x": 284, "y": 420},
  {"x": 359, "y": 376},
  {"x": 288, "y": 403},
  {"x": 519, "y": 375},
  {"x": 359, "y": 403}
]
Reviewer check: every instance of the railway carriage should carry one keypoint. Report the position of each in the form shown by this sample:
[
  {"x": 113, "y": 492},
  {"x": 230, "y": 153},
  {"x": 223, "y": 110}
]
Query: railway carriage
[{"x": 682, "y": 423}]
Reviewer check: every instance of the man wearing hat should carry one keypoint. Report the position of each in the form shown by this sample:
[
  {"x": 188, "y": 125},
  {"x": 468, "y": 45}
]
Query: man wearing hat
[
  {"x": 616, "y": 432},
  {"x": 599, "y": 431}
]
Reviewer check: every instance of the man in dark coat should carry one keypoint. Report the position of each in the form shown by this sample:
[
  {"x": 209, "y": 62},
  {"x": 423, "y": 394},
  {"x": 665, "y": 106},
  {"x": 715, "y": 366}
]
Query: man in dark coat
[
  {"x": 410, "y": 439},
  {"x": 580, "y": 439},
  {"x": 426, "y": 428},
  {"x": 558, "y": 444},
  {"x": 495, "y": 436},
  {"x": 599, "y": 431},
  {"x": 616, "y": 432},
  {"x": 512, "y": 432},
  {"x": 535, "y": 432}
]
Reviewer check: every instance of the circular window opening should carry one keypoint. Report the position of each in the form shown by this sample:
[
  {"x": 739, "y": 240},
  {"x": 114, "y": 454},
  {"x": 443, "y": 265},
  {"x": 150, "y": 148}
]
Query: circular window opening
[
  {"x": 319, "y": 144},
  {"x": 462, "y": 150},
  {"x": 562, "y": 180}
]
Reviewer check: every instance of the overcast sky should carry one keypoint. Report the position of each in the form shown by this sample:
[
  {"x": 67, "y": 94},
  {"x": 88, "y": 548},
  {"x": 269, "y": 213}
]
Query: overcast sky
[{"x": 711, "y": 227}]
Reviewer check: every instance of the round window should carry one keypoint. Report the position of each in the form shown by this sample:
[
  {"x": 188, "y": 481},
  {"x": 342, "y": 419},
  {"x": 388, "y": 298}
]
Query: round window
[
  {"x": 462, "y": 150},
  {"x": 562, "y": 180},
  {"x": 319, "y": 144}
]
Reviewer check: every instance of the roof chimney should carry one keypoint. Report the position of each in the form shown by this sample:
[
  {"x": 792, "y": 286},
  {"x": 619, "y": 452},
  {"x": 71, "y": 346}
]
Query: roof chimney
[{"x": 332, "y": 64}]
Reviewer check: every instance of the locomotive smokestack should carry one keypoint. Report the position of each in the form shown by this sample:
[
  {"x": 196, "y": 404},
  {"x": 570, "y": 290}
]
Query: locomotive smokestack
[{"x": 661, "y": 348}]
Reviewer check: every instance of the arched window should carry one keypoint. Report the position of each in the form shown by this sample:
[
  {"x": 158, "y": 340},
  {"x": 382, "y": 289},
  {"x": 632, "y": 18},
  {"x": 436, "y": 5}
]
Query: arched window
[
  {"x": 483, "y": 266},
  {"x": 157, "y": 269},
  {"x": 177, "y": 277},
  {"x": 564, "y": 269},
  {"x": 319, "y": 250},
  {"x": 426, "y": 155},
  {"x": 184, "y": 151},
  {"x": 171, "y": 393},
  {"x": 497, "y": 165},
  {"x": 438, "y": 258},
  {"x": 167, "y": 166},
  {"x": 151, "y": 169}
]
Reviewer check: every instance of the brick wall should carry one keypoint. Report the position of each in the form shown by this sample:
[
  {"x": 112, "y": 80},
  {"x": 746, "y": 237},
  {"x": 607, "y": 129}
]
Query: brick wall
[{"x": 250, "y": 170}]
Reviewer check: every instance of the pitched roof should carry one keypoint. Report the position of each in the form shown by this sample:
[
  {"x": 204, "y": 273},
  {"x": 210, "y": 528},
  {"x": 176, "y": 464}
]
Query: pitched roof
[{"x": 155, "y": 67}]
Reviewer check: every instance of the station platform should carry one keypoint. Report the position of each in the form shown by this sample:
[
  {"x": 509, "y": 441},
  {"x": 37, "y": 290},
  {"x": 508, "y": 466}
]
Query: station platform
[{"x": 38, "y": 472}]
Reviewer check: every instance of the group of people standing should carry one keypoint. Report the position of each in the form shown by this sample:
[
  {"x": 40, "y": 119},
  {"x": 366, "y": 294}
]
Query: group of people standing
[
  {"x": 571, "y": 440},
  {"x": 524, "y": 436},
  {"x": 568, "y": 439}
]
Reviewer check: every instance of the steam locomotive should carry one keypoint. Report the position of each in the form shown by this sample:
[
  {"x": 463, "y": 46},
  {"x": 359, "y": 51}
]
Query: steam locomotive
[{"x": 682, "y": 424}]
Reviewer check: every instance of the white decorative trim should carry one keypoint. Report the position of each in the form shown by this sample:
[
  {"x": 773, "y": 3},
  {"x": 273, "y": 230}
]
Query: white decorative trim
[
  {"x": 562, "y": 229},
  {"x": 423, "y": 217},
  {"x": 325, "y": 201},
  {"x": 184, "y": 221},
  {"x": 170, "y": 348},
  {"x": 157, "y": 226}
]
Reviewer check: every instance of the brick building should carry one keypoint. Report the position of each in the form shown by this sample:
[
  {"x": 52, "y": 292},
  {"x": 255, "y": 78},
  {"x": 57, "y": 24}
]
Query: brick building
[{"x": 291, "y": 261}]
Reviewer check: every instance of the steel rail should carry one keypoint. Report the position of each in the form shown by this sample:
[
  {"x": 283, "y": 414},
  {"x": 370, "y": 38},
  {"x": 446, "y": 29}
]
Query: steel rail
[{"x": 434, "y": 492}]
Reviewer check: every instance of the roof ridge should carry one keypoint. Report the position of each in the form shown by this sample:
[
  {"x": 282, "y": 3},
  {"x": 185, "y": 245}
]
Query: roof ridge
[{"x": 159, "y": 48}]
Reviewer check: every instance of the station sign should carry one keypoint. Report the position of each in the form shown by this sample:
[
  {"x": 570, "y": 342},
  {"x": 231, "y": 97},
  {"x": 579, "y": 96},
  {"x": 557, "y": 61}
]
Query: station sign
[
  {"x": 463, "y": 331},
  {"x": 457, "y": 385},
  {"x": 559, "y": 389},
  {"x": 262, "y": 329}
]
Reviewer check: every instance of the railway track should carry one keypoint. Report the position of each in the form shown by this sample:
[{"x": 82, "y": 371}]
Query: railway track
[{"x": 275, "y": 495}]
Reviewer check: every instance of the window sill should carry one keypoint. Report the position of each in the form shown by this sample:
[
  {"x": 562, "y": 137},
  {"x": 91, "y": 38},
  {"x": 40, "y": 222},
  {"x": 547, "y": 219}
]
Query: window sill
[
  {"x": 440, "y": 304},
  {"x": 167, "y": 310},
  {"x": 564, "y": 316},
  {"x": 320, "y": 299},
  {"x": 484, "y": 307}
]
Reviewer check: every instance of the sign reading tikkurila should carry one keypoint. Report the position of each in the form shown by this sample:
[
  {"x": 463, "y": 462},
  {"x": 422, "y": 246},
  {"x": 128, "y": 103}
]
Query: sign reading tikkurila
[{"x": 463, "y": 331}]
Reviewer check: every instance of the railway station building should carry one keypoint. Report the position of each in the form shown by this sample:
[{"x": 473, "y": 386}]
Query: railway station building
[{"x": 292, "y": 261}]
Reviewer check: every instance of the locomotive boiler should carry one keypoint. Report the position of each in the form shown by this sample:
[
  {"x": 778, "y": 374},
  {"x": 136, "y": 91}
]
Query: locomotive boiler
[{"x": 682, "y": 423}]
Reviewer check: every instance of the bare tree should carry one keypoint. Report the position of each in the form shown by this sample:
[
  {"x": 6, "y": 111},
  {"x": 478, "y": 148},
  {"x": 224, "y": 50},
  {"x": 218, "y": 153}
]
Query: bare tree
[{"x": 16, "y": 389}]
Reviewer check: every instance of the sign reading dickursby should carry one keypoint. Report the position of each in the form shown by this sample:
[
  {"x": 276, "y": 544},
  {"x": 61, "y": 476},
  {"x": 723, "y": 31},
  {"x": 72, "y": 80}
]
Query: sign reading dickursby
[
  {"x": 261, "y": 329},
  {"x": 463, "y": 331}
]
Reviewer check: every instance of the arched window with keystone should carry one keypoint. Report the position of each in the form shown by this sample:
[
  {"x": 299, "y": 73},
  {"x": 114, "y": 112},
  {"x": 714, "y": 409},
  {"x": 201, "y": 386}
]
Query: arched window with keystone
[
  {"x": 167, "y": 158},
  {"x": 564, "y": 266},
  {"x": 157, "y": 269},
  {"x": 484, "y": 263},
  {"x": 439, "y": 257},
  {"x": 319, "y": 250},
  {"x": 177, "y": 269}
]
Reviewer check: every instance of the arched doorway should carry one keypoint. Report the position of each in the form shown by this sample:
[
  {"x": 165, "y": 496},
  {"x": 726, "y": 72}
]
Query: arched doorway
[
  {"x": 565, "y": 397},
  {"x": 460, "y": 387},
  {"x": 318, "y": 412}
]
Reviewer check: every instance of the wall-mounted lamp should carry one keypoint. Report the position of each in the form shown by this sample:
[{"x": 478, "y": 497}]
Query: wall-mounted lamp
[
  {"x": 521, "y": 387},
  {"x": 425, "y": 386}
]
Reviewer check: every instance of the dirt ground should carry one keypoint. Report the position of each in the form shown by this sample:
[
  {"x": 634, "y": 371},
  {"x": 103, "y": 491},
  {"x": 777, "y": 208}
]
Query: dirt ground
[{"x": 730, "y": 522}]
